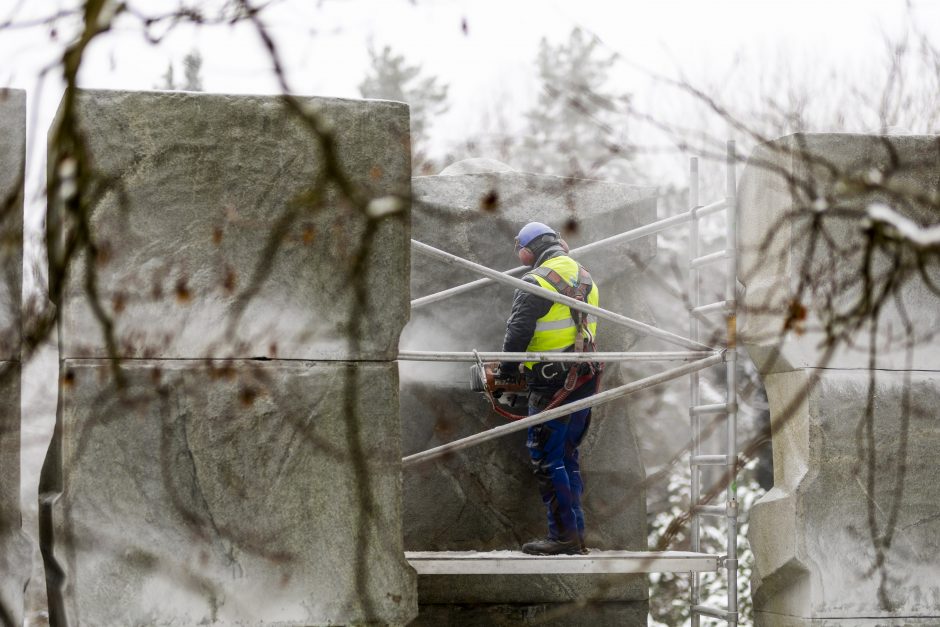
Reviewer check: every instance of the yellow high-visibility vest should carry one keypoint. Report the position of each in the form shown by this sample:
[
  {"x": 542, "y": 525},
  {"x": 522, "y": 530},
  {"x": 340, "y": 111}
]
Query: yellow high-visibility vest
[{"x": 556, "y": 330}]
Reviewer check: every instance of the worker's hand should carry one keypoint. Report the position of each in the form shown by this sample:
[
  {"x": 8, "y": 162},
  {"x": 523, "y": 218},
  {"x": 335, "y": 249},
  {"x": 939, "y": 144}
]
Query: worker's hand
[{"x": 507, "y": 374}]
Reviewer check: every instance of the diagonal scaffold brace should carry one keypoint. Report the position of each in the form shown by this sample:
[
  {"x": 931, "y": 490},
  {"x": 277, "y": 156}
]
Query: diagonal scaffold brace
[
  {"x": 519, "y": 284},
  {"x": 545, "y": 416},
  {"x": 622, "y": 238}
]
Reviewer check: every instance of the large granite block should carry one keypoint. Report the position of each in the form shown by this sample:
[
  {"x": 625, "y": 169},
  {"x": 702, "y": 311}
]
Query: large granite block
[
  {"x": 851, "y": 529},
  {"x": 15, "y": 547},
  {"x": 848, "y": 535},
  {"x": 485, "y": 497},
  {"x": 12, "y": 172},
  {"x": 476, "y": 216},
  {"x": 581, "y": 614},
  {"x": 209, "y": 196},
  {"x": 240, "y": 493},
  {"x": 834, "y": 178},
  {"x": 15, "y": 554}
]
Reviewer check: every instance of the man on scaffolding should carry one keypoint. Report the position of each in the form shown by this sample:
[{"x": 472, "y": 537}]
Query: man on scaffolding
[{"x": 539, "y": 325}]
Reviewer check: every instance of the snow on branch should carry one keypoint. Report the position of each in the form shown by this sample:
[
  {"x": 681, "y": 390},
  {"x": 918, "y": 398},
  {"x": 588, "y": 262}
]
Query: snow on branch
[{"x": 922, "y": 237}]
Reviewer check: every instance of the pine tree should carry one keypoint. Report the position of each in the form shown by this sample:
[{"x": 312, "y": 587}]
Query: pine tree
[
  {"x": 167, "y": 77},
  {"x": 391, "y": 78},
  {"x": 192, "y": 79},
  {"x": 577, "y": 127},
  {"x": 192, "y": 64}
]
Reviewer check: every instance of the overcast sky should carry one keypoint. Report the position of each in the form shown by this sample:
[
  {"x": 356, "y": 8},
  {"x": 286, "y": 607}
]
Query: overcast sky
[{"x": 489, "y": 65}]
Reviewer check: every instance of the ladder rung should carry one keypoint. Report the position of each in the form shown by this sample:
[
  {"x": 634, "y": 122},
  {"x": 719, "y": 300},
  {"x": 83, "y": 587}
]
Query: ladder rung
[
  {"x": 710, "y": 510},
  {"x": 710, "y": 460},
  {"x": 706, "y": 259},
  {"x": 714, "y": 612},
  {"x": 717, "y": 408},
  {"x": 722, "y": 306}
]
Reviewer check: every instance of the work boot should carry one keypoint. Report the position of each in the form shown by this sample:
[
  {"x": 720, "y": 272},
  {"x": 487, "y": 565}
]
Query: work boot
[{"x": 551, "y": 546}]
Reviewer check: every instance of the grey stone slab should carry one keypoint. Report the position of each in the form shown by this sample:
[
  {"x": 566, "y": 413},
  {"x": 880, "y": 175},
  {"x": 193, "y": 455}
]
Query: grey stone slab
[
  {"x": 15, "y": 553},
  {"x": 531, "y": 589},
  {"x": 559, "y": 614},
  {"x": 485, "y": 497},
  {"x": 791, "y": 181},
  {"x": 767, "y": 619},
  {"x": 239, "y": 493},
  {"x": 12, "y": 172},
  {"x": 476, "y": 216},
  {"x": 850, "y": 531},
  {"x": 199, "y": 187},
  {"x": 15, "y": 547}
]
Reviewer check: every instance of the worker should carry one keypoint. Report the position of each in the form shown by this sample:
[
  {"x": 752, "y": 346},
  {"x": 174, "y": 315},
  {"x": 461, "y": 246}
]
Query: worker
[{"x": 539, "y": 325}]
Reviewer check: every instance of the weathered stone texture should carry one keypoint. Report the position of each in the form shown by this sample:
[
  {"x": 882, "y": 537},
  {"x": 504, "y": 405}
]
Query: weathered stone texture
[
  {"x": 12, "y": 172},
  {"x": 247, "y": 493},
  {"x": 210, "y": 488},
  {"x": 843, "y": 477},
  {"x": 556, "y": 614},
  {"x": 15, "y": 554},
  {"x": 202, "y": 185},
  {"x": 848, "y": 536},
  {"x": 788, "y": 183},
  {"x": 15, "y": 548},
  {"x": 485, "y": 497}
]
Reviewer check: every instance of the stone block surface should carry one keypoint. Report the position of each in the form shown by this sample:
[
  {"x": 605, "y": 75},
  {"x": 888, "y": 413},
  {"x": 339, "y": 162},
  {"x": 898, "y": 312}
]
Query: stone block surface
[
  {"x": 15, "y": 553},
  {"x": 15, "y": 547},
  {"x": 12, "y": 172},
  {"x": 796, "y": 179},
  {"x": 560, "y": 614},
  {"x": 237, "y": 493},
  {"x": 212, "y": 196},
  {"x": 485, "y": 497},
  {"x": 850, "y": 533},
  {"x": 476, "y": 216}
]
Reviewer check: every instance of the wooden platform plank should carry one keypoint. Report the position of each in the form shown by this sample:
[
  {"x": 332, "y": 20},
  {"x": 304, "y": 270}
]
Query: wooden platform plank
[{"x": 597, "y": 562}]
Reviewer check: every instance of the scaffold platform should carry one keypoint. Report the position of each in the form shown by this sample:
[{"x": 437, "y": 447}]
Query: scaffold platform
[{"x": 594, "y": 562}]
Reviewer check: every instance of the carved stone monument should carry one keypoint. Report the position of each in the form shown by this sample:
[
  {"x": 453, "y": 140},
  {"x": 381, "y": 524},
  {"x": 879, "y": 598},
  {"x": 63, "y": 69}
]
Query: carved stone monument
[
  {"x": 850, "y": 533},
  {"x": 485, "y": 497},
  {"x": 15, "y": 553},
  {"x": 230, "y": 451}
]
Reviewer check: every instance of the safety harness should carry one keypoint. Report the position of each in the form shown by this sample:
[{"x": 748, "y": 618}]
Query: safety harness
[{"x": 583, "y": 338}]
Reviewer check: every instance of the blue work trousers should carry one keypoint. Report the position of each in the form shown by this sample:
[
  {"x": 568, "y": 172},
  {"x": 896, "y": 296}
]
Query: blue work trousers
[{"x": 553, "y": 450}]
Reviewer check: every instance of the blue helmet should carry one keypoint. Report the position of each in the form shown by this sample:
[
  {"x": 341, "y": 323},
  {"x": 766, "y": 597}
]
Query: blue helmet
[{"x": 531, "y": 231}]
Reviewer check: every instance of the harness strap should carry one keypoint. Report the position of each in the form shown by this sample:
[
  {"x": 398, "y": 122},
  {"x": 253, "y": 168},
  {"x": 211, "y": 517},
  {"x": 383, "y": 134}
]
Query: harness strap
[{"x": 579, "y": 291}]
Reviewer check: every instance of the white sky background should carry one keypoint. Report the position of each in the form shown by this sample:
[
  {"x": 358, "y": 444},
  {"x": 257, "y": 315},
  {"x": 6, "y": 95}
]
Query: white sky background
[{"x": 727, "y": 45}]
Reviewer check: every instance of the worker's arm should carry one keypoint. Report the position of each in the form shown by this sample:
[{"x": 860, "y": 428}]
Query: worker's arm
[{"x": 526, "y": 310}]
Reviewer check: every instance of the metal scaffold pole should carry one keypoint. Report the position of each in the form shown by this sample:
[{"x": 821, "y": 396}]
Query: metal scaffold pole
[
  {"x": 731, "y": 562},
  {"x": 697, "y": 310},
  {"x": 693, "y": 378},
  {"x": 699, "y": 357},
  {"x": 555, "y": 297},
  {"x": 627, "y": 236},
  {"x": 564, "y": 410},
  {"x": 475, "y": 356}
]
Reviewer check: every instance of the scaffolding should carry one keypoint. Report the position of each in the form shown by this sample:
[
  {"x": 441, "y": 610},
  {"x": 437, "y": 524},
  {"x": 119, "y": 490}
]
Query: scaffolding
[{"x": 697, "y": 357}]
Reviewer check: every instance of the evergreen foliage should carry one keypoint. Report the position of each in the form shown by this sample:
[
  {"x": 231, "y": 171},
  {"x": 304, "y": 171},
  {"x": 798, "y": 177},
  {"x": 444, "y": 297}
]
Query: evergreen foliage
[
  {"x": 192, "y": 74},
  {"x": 577, "y": 127},
  {"x": 392, "y": 78}
]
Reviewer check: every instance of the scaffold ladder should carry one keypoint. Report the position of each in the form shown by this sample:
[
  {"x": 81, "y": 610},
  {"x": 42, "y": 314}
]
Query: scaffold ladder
[
  {"x": 697, "y": 355},
  {"x": 699, "y": 459}
]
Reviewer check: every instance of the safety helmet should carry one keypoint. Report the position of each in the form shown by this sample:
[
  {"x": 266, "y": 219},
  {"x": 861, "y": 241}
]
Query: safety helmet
[{"x": 531, "y": 231}]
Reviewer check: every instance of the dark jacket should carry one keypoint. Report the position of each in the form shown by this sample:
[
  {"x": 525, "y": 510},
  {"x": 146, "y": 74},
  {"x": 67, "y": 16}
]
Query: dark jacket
[{"x": 526, "y": 310}]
